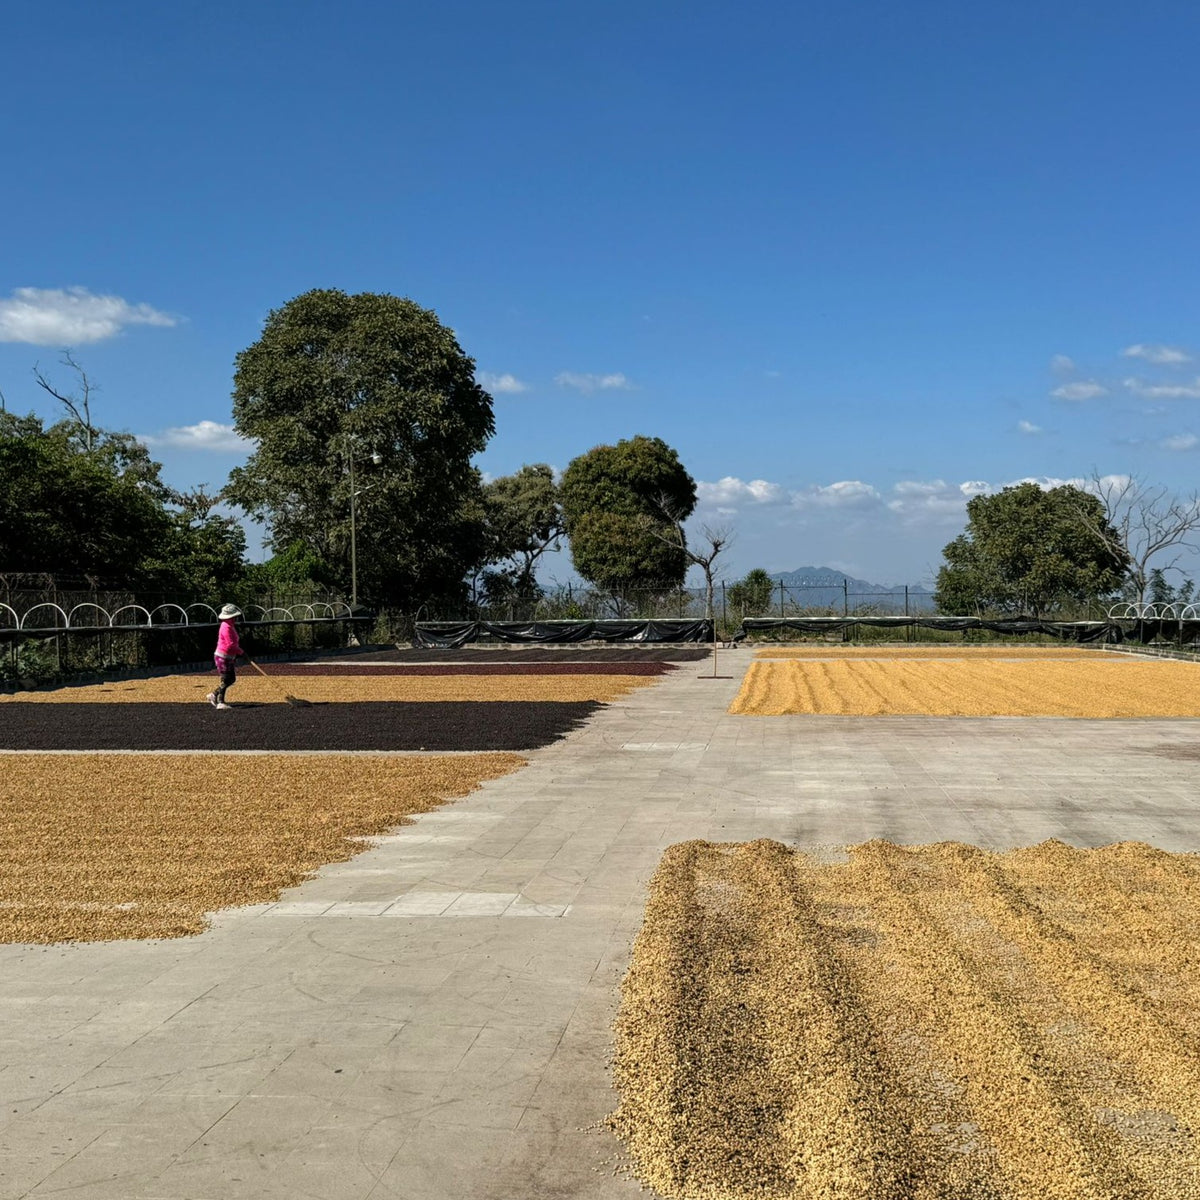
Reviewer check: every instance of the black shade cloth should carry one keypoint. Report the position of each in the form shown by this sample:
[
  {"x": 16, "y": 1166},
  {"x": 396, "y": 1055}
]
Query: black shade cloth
[
  {"x": 450, "y": 634},
  {"x": 1166, "y": 629},
  {"x": 1071, "y": 631}
]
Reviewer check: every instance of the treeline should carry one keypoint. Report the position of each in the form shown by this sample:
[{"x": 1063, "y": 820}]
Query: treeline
[
  {"x": 1058, "y": 551},
  {"x": 97, "y": 506},
  {"x": 364, "y": 416}
]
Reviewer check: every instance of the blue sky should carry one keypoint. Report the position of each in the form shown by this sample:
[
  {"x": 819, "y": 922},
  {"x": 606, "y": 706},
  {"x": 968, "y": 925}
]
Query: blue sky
[{"x": 854, "y": 262}]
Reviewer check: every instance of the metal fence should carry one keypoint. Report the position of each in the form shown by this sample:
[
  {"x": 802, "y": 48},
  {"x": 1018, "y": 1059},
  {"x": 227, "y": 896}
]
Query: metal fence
[
  {"x": 582, "y": 602},
  {"x": 53, "y": 627}
]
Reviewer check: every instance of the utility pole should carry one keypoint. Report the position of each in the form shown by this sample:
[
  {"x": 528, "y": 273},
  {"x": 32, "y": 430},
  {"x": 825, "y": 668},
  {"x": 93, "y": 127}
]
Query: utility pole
[{"x": 353, "y": 531}]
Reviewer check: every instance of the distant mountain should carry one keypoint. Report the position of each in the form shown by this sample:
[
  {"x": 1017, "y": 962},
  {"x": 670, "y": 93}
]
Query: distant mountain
[{"x": 825, "y": 587}]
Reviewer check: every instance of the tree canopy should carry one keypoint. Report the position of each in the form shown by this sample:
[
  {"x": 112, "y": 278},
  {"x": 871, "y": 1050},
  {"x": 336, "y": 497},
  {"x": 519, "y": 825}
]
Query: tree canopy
[
  {"x": 1026, "y": 550},
  {"x": 376, "y": 387},
  {"x": 524, "y": 521},
  {"x": 65, "y": 510},
  {"x": 97, "y": 506},
  {"x": 621, "y": 505},
  {"x": 752, "y": 595}
]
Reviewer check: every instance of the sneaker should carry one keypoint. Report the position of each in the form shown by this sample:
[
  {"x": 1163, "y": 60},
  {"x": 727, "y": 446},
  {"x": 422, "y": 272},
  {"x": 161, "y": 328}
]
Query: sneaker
[
  {"x": 212, "y": 699},
  {"x": 221, "y": 706}
]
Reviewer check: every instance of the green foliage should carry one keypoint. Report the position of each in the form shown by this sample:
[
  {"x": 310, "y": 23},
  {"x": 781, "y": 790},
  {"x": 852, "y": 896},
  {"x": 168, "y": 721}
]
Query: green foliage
[
  {"x": 69, "y": 510},
  {"x": 296, "y": 568},
  {"x": 1028, "y": 550},
  {"x": 751, "y": 596},
  {"x": 524, "y": 521},
  {"x": 1161, "y": 592},
  {"x": 1160, "y": 589},
  {"x": 621, "y": 506},
  {"x": 65, "y": 510},
  {"x": 203, "y": 553},
  {"x": 34, "y": 663},
  {"x": 339, "y": 378}
]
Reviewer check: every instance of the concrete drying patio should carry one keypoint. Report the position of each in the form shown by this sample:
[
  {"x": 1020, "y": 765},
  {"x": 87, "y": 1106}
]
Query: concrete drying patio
[{"x": 431, "y": 1019}]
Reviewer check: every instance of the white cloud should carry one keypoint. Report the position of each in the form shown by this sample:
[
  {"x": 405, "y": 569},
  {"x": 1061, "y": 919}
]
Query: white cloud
[
  {"x": 204, "y": 435},
  {"x": 1181, "y": 441},
  {"x": 592, "y": 383},
  {"x": 1060, "y": 364},
  {"x": 500, "y": 383},
  {"x": 1045, "y": 482},
  {"x": 731, "y": 490},
  {"x": 920, "y": 502},
  {"x": 1080, "y": 391},
  {"x": 70, "y": 316},
  {"x": 846, "y": 493},
  {"x": 1158, "y": 354},
  {"x": 1028, "y": 427},
  {"x": 917, "y": 487},
  {"x": 1165, "y": 391}
]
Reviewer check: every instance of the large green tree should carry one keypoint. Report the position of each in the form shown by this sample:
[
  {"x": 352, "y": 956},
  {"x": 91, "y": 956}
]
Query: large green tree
[
  {"x": 1026, "y": 550},
  {"x": 372, "y": 388},
  {"x": 622, "y": 506}
]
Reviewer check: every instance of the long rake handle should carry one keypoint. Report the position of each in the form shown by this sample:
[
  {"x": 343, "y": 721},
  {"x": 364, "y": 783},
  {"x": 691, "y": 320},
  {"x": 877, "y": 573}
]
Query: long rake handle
[
  {"x": 268, "y": 678},
  {"x": 294, "y": 701}
]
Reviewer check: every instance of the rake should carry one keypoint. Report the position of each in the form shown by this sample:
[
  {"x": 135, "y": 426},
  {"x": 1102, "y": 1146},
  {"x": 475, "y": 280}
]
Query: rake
[{"x": 294, "y": 701}]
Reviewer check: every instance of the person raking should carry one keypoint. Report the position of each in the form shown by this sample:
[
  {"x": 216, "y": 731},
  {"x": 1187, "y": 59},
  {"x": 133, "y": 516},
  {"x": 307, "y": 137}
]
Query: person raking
[{"x": 229, "y": 650}]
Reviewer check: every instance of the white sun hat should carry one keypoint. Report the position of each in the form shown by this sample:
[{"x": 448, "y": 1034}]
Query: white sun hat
[{"x": 229, "y": 612}]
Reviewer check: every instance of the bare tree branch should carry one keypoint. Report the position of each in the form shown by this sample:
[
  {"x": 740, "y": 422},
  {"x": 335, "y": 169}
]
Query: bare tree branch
[
  {"x": 718, "y": 540},
  {"x": 1142, "y": 520},
  {"x": 80, "y": 407}
]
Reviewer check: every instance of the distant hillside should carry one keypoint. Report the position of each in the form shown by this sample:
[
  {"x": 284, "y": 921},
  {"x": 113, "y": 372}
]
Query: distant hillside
[{"x": 825, "y": 587}]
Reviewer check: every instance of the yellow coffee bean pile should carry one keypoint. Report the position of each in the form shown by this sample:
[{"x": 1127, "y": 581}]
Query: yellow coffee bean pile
[
  {"x": 928, "y": 650},
  {"x": 1095, "y": 687},
  {"x": 97, "y": 847},
  {"x": 346, "y": 689},
  {"x": 926, "y": 1023}
]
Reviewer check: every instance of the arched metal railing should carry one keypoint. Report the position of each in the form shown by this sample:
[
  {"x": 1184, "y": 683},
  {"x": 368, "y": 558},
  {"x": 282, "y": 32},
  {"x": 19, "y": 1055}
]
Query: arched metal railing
[
  {"x": 48, "y": 617},
  {"x": 131, "y": 608},
  {"x": 73, "y": 624},
  {"x": 23, "y": 622},
  {"x": 1134, "y": 610},
  {"x": 165, "y": 608}
]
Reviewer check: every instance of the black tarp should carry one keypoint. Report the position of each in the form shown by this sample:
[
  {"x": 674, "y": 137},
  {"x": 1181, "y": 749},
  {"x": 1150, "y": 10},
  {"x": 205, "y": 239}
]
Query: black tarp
[
  {"x": 1073, "y": 631},
  {"x": 1164, "y": 629},
  {"x": 450, "y": 634}
]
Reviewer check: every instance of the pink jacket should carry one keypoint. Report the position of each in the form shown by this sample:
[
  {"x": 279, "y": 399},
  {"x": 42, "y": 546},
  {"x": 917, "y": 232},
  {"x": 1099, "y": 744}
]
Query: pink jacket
[{"x": 228, "y": 645}]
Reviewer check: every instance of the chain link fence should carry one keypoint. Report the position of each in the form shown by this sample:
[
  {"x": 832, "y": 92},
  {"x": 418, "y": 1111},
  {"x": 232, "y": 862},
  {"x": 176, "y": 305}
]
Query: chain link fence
[
  {"x": 837, "y": 598},
  {"x": 579, "y": 601}
]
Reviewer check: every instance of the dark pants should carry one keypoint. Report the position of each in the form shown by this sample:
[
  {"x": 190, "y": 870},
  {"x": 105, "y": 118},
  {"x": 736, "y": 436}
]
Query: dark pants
[{"x": 226, "y": 674}]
